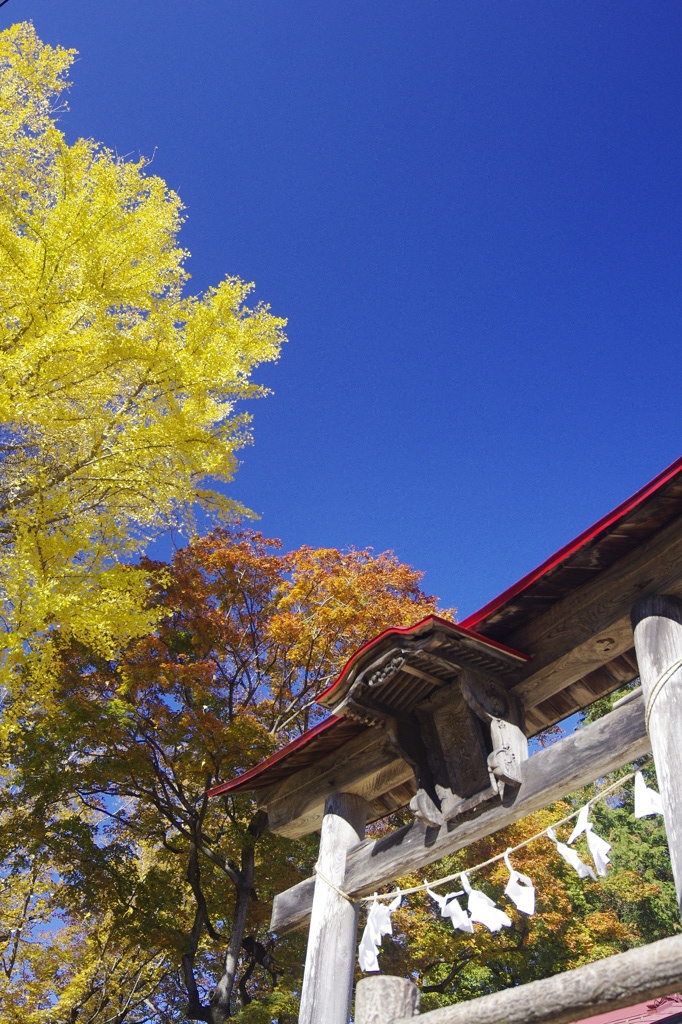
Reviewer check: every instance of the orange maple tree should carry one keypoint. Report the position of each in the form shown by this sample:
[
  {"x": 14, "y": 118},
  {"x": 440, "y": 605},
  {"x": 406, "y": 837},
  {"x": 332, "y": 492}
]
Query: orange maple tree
[{"x": 249, "y": 637}]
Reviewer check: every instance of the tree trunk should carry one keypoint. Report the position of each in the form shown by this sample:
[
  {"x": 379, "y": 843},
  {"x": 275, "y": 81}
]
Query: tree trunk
[
  {"x": 222, "y": 994},
  {"x": 221, "y": 998}
]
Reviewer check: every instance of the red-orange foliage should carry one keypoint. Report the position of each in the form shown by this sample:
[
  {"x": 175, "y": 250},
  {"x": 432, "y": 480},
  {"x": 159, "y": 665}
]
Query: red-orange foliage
[{"x": 250, "y": 636}]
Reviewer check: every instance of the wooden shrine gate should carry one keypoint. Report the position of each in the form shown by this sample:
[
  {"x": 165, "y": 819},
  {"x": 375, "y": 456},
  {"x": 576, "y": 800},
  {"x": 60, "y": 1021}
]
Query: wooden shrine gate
[{"x": 438, "y": 716}]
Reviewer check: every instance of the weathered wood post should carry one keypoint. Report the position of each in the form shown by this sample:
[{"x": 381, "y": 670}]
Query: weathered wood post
[
  {"x": 330, "y": 958},
  {"x": 657, "y": 622},
  {"x": 382, "y": 998}
]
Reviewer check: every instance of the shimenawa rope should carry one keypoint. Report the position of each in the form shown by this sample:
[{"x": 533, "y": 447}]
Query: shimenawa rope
[
  {"x": 657, "y": 687},
  {"x": 500, "y": 856}
]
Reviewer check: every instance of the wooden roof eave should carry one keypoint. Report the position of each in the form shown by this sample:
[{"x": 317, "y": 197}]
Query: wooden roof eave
[{"x": 571, "y": 615}]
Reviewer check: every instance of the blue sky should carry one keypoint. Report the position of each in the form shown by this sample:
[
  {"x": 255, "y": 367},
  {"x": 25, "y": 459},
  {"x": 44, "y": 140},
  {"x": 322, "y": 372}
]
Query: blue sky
[{"x": 471, "y": 214}]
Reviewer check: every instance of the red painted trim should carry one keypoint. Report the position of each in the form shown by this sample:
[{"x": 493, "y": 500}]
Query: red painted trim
[
  {"x": 300, "y": 741},
  {"x": 328, "y": 723},
  {"x": 569, "y": 549},
  {"x": 662, "y": 1011},
  {"x": 454, "y": 627},
  {"x": 472, "y": 620}
]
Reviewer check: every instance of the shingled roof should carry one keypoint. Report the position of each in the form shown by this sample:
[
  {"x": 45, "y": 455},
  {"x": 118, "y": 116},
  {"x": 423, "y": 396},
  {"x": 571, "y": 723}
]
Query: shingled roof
[{"x": 666, "y": 1010}]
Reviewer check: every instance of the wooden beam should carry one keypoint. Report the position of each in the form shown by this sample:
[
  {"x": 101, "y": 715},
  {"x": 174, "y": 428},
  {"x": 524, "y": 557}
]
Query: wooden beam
[
  {"x": 575, "y": 637},
  {"x": 548, "y": 775},
  {"x": 610, "y": 984},
  {"x": 419, "y": 673},
  {"x": 657, "y": 621},
  {"x": 592, "y": 625},
  {"x": 367, "y": 765}
]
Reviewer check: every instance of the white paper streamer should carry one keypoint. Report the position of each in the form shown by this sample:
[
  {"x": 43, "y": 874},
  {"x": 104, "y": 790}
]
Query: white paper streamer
[
  {"x": 378, "y": 925},
  {"x": 449, "y": 907},
  {"x": 520, "y": 889},
  {"x": 597, "y": 846},
  {"x": 581, "y": 824},
  {"x": 599, "y": 849},
  {"x": 647, "y": 801},
  {"x": 483, "y": 909},
  {"x": 571, "y": 857}
]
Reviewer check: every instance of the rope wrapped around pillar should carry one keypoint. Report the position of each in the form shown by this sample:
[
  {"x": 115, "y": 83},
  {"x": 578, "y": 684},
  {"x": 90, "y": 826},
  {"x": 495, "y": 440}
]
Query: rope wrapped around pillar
[{"x": 330, "y": 957}]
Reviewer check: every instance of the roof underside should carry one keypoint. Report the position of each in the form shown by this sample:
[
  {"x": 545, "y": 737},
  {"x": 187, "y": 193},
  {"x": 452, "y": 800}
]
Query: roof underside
[
  {"x": 402, "y": 666},
  {"x": 641, "y": 517}
]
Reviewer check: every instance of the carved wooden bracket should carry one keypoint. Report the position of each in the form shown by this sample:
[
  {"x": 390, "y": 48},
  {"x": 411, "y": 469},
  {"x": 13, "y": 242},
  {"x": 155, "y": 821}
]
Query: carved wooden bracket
[
  {"x": 443, "y": 697},
  {"x": 465, "y": 743}
]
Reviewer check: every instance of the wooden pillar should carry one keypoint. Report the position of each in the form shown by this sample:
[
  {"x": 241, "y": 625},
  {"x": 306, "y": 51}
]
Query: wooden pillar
[
  {"x": 382, "y": 998},
  {"x": 657, "y": 622},
  {"x": 330, "y": 957}
]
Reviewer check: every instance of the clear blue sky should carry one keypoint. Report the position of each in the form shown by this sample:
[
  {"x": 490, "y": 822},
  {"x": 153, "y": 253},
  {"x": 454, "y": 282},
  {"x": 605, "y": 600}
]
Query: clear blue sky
[{"x": 471, "y": 214}]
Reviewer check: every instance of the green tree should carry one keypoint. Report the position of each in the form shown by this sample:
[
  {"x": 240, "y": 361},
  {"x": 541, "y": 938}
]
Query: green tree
[{"x": 117, "y": 390}]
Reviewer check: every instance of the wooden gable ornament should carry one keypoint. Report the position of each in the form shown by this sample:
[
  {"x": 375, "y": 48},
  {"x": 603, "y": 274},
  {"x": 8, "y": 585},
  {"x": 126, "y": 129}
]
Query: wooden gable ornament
[
  {"x": 427, "y": 720},
  {"x": 440, "y": 694}
]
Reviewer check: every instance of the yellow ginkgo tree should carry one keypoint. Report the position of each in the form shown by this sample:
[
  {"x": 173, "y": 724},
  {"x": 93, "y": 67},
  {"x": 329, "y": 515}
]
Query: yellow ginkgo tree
[{"x": 117, "y": 390}]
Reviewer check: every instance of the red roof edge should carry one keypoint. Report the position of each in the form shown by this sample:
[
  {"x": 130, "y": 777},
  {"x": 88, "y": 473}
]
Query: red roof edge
[
  {"x": 300, "y": 741},
  {"x": 328, "y": 723},
  {"x": 405, "y": 631},
  {"x": 467, "y": 625},
  {"x": 574, "y": 545}
]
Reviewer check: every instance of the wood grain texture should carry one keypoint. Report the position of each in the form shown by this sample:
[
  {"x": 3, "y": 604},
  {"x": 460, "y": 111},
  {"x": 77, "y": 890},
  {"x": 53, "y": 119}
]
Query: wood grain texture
[
  {"x": 657, "y": 621},
  {"x": 548, "y": 775},
  {"x": 621, "y": 980},
  {"x": 382, "y": 997},
  {"x": 505, "y": 715},
  {"x": 592, "y": 625},
  {"x": 581, "y": 638},
  {"x": 367, "y": 766},
  {"x": 330, "y": 957}
]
